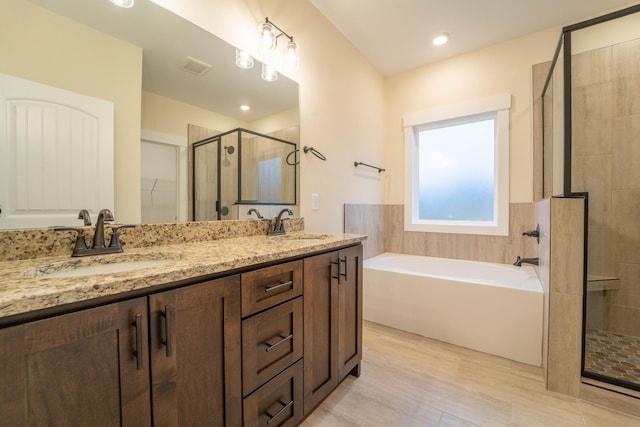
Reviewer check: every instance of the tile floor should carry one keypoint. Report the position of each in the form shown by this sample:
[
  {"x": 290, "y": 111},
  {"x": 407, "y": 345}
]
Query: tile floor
[
  {"x": 408, "y": 380},
  {"x": 613, "y": 355}
]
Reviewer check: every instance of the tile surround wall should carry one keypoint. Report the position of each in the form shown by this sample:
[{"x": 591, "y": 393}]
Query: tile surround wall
[
  {"x": 384, "y": 224},
  {"x": 606, "y": 122}
]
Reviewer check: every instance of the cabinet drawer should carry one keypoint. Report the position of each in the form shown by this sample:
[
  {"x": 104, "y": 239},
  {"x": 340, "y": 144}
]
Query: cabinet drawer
[
  {"x": 271, "y": 341},
  {"x": 270, "y": 286},
  {"x": 278, "y": 402}
]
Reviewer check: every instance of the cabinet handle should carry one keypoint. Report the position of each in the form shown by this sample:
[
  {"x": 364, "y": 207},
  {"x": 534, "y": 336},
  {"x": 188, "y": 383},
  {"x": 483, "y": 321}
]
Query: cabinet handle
[
  {"x": 167, "y": 339},
  {"x": 284, "y": 408},
  {"x": 272, "y": 346},
  {"x": 138, "y": 352},
  {"x": 344, "y": 261},
  {"x": 340, "y": 273},
  {"x": 281, "y": 285}
]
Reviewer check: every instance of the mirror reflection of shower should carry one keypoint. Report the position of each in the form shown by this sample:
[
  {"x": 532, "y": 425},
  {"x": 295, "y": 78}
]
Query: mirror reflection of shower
[{"x": 228, "y": 149}]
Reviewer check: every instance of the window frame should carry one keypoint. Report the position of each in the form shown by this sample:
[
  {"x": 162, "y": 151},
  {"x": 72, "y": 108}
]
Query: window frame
[{"x": 415, "y": 122}]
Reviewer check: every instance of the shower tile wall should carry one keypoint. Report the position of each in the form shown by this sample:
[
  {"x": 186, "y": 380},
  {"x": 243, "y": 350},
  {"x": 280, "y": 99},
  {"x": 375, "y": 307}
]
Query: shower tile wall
[
  {"x": 384, "y": 224},
  {"x": 606, "y": 152}
]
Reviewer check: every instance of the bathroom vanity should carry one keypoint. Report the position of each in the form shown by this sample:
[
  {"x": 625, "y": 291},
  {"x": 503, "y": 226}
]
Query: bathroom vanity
[{"x": 250, "y": 330}]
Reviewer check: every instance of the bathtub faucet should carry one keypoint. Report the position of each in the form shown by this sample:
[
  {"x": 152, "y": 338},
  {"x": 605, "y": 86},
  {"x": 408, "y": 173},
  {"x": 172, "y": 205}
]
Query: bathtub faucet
[{"x": 520, "y": 261}]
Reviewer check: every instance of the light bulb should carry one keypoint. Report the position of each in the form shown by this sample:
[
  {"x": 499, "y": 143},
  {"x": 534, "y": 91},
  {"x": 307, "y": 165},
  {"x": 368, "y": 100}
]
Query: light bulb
[
  {"x": 123, "y": 3},
  {"x": 268, "y": 39},
  {"x": 292, "y": 55},
  {"x": 269, "y": 73},
  {"x": 243, "y": 59}
]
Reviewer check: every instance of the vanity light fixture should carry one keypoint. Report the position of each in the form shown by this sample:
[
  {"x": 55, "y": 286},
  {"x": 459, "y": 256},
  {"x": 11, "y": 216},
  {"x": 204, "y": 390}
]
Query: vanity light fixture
[
  {"x": 269, "y": 73},
  {"x": 441, "y": 39},
  {"x": 243, "y": 59},
  {"x": 123, "y": 3},
  {"x": 269, "y": 33}
]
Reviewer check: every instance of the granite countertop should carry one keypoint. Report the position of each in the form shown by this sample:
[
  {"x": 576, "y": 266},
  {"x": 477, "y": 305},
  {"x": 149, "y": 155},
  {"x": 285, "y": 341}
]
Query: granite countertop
[{"x": 26, "y": 287}]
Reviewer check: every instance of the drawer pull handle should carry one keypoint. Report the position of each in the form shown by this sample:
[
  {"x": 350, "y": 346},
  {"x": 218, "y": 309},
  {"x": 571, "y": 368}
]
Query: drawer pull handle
[
  {"x": 167, "y": 339},
  {"x": 138, "y": 352},
  {"x": 283, "y": 339},
  {"x": 281, "y": 285},
  {"x": 284, "y": 408}
]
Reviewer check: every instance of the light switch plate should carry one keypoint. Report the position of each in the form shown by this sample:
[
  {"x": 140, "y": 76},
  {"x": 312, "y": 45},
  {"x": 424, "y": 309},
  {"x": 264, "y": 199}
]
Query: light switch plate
[{"x": 315, "y": 202}]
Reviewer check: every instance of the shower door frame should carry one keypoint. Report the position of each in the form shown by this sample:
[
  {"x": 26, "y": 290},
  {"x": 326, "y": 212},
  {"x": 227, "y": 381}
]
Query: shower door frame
[{"x": 564, "y": 47}]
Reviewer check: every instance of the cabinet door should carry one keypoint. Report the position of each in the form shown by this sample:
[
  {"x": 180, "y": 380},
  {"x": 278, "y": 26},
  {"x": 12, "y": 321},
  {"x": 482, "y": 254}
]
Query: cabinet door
[
  {"x": 78, "y": 369},
  {"x": 320, "y": 328},
  {"x": 350, "y": 311},
  {"x": 195, "y": 355}
]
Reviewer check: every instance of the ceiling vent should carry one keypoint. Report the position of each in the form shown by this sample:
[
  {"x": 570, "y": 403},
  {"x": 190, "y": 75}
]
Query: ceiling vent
[{"x": 195, "y": 66}]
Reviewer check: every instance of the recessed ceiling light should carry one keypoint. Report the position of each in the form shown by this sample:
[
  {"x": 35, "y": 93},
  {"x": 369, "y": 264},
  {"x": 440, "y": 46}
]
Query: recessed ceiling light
[
  {"x": 123, "y": 3},
  {"x": 441, "y": 39},
  {"x": 245, "y": 107}
]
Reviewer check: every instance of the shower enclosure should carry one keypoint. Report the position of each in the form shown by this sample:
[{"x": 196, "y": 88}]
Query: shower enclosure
[
  {"x": 241, "y": 168},
  {"x": 591, "y": 147}
]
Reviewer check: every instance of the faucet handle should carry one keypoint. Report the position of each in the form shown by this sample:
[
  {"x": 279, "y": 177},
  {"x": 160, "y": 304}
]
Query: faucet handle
[
  {"x": 81, "y": 243},
  {"x": 115, "y": 235}
]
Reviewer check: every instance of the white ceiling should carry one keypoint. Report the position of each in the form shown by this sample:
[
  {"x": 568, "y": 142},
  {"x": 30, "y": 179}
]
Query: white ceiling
[{"x": 395, "y": 35}]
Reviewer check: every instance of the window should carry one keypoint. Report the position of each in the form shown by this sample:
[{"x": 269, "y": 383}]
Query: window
[{"x": 457, "y": 168}]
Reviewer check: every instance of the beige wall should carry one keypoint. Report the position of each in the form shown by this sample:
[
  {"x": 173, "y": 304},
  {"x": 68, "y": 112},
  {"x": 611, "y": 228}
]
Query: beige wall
[
  {"x": 501, "y": 68},
  {"x": 341, "y": 99},
  {"x": 169, "y": 116},
  {"x": 38, "y": 45}
]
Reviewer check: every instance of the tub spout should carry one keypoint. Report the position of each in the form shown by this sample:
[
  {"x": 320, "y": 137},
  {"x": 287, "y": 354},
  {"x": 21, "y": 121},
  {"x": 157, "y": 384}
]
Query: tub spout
[{"x": 520, "y": 261}]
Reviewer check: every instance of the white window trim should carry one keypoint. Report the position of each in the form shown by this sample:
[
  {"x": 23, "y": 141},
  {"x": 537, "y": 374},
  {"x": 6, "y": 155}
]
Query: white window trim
[{"x": 499, "y": 104}]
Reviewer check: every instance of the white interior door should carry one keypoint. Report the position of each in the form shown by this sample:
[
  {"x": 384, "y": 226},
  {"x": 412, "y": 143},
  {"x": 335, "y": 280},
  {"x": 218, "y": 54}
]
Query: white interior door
[
  {"x": 164, "y": 182},
  {"x": 56, "y": 154}
]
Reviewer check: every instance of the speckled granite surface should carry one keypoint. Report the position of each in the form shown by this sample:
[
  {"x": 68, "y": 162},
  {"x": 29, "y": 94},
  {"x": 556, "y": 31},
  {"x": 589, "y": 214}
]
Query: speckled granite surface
[
  {"x": 46, "y": 242},
  {"x": 24, "y": 286}
]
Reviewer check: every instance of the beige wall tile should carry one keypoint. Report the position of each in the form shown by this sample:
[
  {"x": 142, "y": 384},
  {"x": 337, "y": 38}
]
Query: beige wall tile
[
  {"x": 622, "y": 320},
  {"x": 567, "y": 245},
  {"x": 600, "y": 253},
  {"x": 369, "y": 220},
  {"x": 593, "y": 174},
  {"x": 592, "y": 111},
  {"x": 608, "y": 399},
  {"x": 627, "y": 96},
  {"x": 626, "y": 232},
  {"x": 565, "y": 341},
  {"x": 626, "y": 60},
  {"x": 591, "y": 67},
  {"x": 394, "y": 228},
  {"x": 539, "y": 74},
  {"x": 626, "y": 152}
]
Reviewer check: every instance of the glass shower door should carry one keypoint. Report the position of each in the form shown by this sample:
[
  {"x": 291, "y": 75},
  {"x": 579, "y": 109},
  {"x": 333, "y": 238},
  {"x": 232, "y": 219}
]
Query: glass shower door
[{"x": 206, "y": 163}]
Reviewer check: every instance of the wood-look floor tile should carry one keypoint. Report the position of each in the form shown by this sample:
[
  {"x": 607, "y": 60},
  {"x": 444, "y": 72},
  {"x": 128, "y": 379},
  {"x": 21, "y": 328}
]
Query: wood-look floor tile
[{"x": 408, "y": 380}]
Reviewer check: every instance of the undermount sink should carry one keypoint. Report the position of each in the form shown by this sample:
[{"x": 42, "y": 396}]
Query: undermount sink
[
  {"x": 109, "y": 268},
  {"x": 302, "y": 236}
]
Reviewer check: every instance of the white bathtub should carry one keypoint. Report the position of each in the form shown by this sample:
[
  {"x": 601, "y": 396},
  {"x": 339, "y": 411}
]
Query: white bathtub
[{"x": 493, "y": 308}]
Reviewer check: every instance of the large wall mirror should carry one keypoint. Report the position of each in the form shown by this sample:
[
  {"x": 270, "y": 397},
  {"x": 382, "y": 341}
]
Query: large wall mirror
[{"x": 171, "y": 84}]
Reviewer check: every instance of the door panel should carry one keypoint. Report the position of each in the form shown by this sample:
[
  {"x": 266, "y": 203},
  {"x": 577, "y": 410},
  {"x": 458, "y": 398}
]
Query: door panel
[{"x": 56, "y": 154}]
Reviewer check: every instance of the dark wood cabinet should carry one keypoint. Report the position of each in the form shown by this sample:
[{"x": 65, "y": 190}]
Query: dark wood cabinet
[
  {"x": 195, "y": 355},
  {"x": 332, "y": 321},
  {"x": 350, "y": 312},
  {"x": 264, "y": 346},
  {"x": 88, "y": 368}
]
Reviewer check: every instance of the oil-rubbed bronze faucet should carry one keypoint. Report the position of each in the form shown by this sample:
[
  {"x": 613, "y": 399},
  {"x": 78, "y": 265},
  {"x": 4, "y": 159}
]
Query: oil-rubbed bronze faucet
[
  {"x": 98, "y": 246},
  {"x": 255, "y": 211},
  {"x": 278, "y": 226},
  {"x": 84, "y": 215},
  {"x": 98, "y": 235}
]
